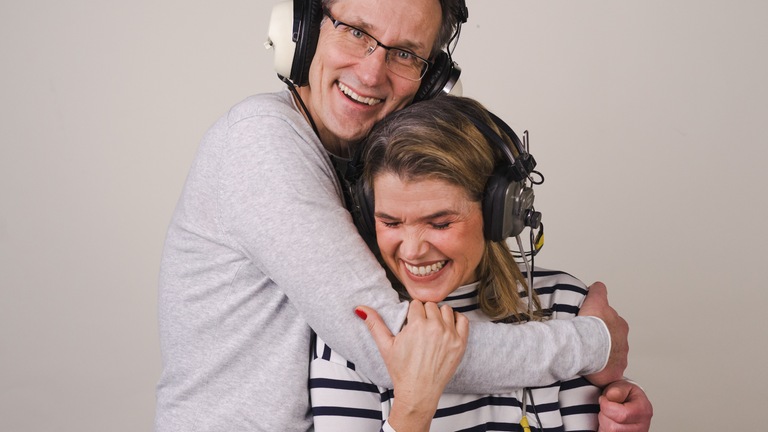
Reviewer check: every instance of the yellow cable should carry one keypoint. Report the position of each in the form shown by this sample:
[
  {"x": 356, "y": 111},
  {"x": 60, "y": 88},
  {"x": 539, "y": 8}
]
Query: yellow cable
[{"x": 524, "y": 424}]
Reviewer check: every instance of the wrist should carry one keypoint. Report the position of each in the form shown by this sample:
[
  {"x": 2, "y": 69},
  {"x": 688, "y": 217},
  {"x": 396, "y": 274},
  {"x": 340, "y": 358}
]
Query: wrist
[{"x": 411, "y": 417}]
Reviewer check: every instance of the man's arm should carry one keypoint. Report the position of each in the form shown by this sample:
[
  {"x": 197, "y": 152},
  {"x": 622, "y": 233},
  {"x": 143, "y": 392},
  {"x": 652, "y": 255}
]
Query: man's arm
[
  {"x": 596, "y": 304},
  {"x": 281, "y": 206}
]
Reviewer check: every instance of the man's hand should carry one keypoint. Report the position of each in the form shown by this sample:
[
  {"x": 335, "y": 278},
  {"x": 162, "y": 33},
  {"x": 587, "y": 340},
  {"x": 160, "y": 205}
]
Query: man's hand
[
  {"x": 596, "y": 304},
  {"x": 624, "y": 407}
]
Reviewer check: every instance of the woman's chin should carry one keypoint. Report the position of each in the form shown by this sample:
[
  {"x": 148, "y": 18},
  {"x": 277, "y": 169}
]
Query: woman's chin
[{"x": 425, "y": 295}]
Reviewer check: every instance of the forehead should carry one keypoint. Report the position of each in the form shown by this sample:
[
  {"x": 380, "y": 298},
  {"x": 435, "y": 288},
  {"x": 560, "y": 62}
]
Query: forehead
[
  {"x": 417, "y": 197},
  {"x": 410, "y": 24}
]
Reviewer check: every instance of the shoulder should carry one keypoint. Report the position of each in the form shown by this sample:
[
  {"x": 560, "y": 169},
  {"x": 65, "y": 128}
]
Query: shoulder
[
  {"x": 277, "y": 104},
  {"x": 265, "y": 118},
  {"x": 266, "y": 130}
]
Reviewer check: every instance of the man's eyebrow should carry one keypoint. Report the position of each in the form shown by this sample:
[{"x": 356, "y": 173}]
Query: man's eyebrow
[{"x": 361, "y": 24}]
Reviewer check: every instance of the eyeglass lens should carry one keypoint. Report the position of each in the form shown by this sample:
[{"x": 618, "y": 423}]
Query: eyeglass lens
[{"x": 401, "y": 62}]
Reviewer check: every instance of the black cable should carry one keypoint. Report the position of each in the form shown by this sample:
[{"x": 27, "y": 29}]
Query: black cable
[
  {"x": 535, "y": 411},
  {"x": 292, "y": 87}
]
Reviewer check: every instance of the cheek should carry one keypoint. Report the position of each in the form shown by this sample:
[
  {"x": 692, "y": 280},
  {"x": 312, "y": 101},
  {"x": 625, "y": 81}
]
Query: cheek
[
  {"x": 386, "y": 242},
  {"x": 473, "y": 247},
  {"x": 402, "y": 94},
  {"x": 477, "y": 255}
]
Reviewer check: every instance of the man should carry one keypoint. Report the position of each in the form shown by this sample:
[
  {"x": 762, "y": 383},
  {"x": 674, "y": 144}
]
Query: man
[{"x": 261, "y": 247}]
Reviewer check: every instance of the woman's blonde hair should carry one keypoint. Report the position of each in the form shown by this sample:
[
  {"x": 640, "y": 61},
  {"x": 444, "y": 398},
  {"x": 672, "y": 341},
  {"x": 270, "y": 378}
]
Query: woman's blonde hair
[{"x": 435, "y": 139}]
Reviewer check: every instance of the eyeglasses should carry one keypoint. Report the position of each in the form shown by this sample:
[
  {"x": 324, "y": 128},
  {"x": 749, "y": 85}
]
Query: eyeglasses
[{"x": 358, "y": 43}]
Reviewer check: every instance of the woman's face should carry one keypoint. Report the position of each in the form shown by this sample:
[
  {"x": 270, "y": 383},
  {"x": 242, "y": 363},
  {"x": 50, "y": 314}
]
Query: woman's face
[{"x": 430, "y": 234}]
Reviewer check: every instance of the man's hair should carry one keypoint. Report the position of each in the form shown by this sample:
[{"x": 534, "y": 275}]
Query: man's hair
[{"x": 449, "y": 21}]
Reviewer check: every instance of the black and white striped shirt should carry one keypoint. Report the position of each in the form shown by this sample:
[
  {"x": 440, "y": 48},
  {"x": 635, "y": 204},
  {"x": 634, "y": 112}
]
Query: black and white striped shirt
[{"x": 344, "y": 400}]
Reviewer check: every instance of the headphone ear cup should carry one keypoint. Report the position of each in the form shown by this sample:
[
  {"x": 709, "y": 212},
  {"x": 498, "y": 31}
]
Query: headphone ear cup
[
  {"x": 279, "y": 37},
  {"x": 493, "y": 206},
  {"x": 505, "y": 207},
  {"x": 294, "y": 28},
  {"x": 307, "y": 16},
  {"x": 442, "y": 76}
]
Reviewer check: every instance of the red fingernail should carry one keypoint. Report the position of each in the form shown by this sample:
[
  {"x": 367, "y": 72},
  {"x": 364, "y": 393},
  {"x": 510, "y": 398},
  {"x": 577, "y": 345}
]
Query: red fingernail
[{"x": 361, "y": 314}]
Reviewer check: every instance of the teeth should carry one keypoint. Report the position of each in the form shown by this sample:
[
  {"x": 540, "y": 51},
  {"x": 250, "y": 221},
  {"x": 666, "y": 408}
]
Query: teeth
[
  {"x": 424, "y": 270},
  {"x": 352, "y": 95}
]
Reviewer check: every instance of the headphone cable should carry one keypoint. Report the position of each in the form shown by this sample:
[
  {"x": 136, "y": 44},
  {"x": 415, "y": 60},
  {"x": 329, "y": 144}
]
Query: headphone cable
[
  {"x": 529, "y": 270},
  {"x": 292, "y": 87}
]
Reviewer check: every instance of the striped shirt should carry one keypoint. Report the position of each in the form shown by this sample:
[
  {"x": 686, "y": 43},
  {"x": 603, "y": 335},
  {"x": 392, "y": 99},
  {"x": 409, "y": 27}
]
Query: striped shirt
[{"x": 344, "y": 400}]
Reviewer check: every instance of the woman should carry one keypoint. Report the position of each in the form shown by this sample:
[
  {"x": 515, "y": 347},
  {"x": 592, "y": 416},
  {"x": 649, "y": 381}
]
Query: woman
[{"x": 430, "y": 173}]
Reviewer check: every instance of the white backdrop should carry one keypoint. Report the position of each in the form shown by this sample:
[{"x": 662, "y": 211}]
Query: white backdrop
[{"x": 646, "y": 117}]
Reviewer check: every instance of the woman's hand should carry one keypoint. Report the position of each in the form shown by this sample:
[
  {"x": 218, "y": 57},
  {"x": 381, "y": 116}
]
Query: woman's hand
[{"x": 421, "y": 359}]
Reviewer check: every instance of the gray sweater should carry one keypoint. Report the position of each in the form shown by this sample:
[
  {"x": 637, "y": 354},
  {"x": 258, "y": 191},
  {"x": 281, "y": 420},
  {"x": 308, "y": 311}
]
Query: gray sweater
[{"x": 260, "y": 248}]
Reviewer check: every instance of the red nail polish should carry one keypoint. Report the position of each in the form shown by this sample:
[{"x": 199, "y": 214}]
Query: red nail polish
[{"x": 361, "y": 314}]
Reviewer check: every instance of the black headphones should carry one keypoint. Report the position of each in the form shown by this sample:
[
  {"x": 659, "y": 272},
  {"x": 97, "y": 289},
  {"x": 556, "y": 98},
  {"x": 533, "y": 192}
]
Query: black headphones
[
  {"x": 507, "y": 200},
  {"x": 294, "y": 28}
]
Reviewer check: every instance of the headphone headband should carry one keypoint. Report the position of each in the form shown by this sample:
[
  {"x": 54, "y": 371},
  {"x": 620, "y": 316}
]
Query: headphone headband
[{"x": 520, "y": 167}]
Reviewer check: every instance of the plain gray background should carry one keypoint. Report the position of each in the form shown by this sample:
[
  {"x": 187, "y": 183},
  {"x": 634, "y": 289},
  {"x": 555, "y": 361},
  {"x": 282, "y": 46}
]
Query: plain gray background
[{"x": 646, "y": 117}]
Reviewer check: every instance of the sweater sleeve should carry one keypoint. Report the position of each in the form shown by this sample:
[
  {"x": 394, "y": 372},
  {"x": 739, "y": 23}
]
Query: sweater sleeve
[{"x": 279, "y": 204}]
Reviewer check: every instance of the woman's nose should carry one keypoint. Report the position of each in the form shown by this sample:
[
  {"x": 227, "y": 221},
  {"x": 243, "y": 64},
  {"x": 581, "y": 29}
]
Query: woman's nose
[{"x": 413, "y": 245}]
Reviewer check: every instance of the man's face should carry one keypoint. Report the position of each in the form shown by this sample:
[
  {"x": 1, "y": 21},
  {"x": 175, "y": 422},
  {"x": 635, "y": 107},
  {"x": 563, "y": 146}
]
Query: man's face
[{"x": 348, "y": 94}]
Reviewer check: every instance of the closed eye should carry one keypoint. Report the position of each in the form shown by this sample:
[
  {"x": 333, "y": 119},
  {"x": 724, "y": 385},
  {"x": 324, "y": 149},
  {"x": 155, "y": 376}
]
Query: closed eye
[{"x": 389, "y": 224}]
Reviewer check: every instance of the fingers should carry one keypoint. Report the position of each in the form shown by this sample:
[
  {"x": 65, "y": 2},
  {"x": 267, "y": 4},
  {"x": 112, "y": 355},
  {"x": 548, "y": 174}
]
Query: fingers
[
  {"x": 449, "y": 317},
  {"x": 430, "y": 311},
  {"x": 624, "y": 406},
  {"x": 631, "y": 404},
  {"x": 418, "y": 310},
  {"x": 618, "y": 391},
  {"x": 596, "y": 304},
  {"x": 596, "y": 300},
  {"x": 379, "y": 330},
  {"x": 462, "y": 326},
  {"x": 599, "y": 289}
]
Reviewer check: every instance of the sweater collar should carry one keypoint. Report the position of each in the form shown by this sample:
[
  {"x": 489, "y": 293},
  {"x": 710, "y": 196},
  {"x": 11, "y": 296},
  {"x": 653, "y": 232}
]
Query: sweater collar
[{"x": 463, "y": 299}]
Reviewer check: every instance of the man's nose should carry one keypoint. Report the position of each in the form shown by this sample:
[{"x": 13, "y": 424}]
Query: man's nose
[{"x": 373, "y": 67}]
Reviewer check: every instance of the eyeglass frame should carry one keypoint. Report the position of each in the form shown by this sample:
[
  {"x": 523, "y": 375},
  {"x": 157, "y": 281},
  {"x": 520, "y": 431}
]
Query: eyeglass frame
[{"x": 427, "y": 64}]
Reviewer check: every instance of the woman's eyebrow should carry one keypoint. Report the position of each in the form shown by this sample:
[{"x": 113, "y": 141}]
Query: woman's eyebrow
[{"x": 435, "y": 215}]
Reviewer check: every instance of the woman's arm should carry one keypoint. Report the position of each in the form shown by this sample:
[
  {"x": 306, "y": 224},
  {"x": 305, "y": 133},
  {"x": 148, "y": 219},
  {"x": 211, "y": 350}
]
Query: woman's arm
[{"x": 421, "y": 360}]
